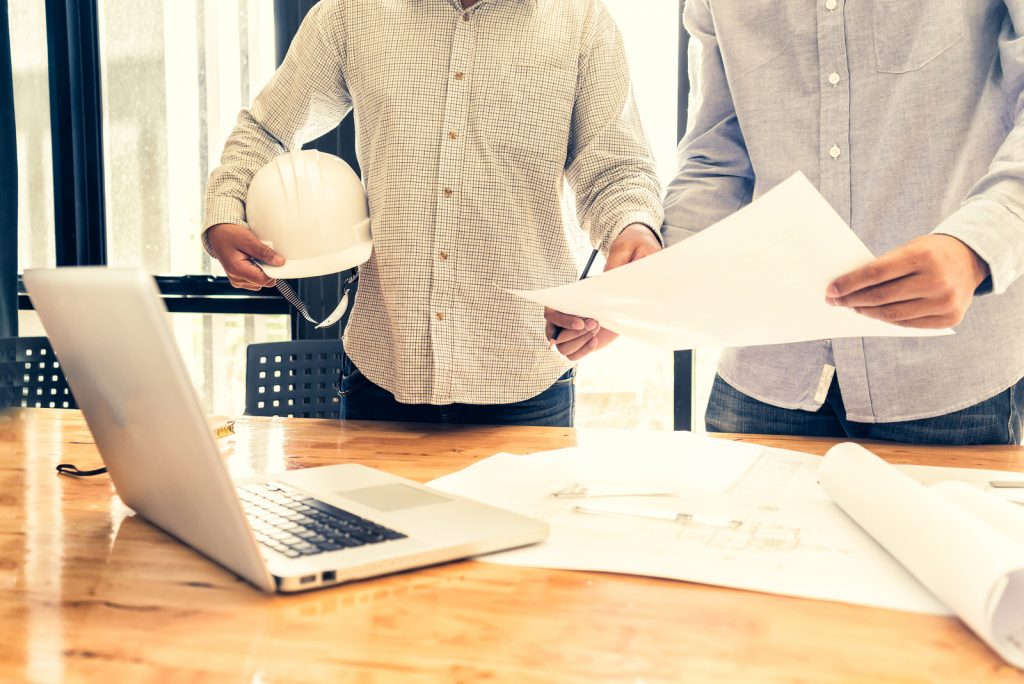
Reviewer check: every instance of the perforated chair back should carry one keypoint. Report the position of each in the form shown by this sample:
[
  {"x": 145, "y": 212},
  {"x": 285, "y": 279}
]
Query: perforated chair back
[
  {"x": 293, "y": 379},
  {"x": 31, "y": 376}
]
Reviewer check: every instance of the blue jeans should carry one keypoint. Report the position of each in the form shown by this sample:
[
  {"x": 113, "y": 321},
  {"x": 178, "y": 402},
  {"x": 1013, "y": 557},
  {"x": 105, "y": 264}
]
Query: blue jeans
[
  {"x": 993, "y": 421},
  {"x": 363, "y": 400}
]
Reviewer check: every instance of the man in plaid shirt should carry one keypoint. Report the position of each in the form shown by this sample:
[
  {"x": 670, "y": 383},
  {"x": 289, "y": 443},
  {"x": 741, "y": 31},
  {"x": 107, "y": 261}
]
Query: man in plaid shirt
[{"x": 470, "y": 117}]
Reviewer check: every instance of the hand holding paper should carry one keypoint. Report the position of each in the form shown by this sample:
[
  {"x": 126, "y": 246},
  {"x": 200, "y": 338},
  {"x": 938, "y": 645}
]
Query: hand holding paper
[
  {"x": 927, "y": 283},
  {"x": 757, "y": 277},
  {"x": 576, "y": 337}
]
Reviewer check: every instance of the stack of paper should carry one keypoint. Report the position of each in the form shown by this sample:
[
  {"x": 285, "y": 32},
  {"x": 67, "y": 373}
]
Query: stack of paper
[
  {"x": 737, "y": 515},
  {"x": 757, "y": 277}
]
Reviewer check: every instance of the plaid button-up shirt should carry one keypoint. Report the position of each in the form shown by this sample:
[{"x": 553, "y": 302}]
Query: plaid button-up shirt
[{"x": 468, "y": 125}]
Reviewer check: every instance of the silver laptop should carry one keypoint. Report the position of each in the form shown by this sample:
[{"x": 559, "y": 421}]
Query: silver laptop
[{"x": 287, "y": 532}]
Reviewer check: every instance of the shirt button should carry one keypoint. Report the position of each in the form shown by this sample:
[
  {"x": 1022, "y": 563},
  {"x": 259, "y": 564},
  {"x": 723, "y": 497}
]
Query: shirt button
[
  {"x": 459, "y": 75},
  {"x": 830, "y": 5},
  {"x": 465, "y": 15},
  {"x": 447, "y": 192},
  {"x": 833, "y": 78},
  {"x": 834, "y": 152},
  {"x": 440, "y": 315},
  {"x": 452, "y": 135},
  {"x": 443, "y": 255}
]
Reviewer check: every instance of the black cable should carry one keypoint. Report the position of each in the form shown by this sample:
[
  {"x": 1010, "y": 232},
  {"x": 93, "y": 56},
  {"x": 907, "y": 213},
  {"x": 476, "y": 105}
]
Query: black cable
[{"x": 72, "y": 469}]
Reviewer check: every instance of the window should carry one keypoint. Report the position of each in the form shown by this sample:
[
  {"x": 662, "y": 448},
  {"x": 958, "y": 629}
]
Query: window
[
  {"x": 36, "y": 238},
  {"x": 175, "y": 75},
  {"x": 628, "y": 384},
  {"x": 214, "y": 348}
]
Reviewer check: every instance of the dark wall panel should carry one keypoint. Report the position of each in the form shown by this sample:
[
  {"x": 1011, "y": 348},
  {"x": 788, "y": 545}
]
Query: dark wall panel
[
  {"x": 8, "y": 187},
  {"x": 76, "y": 129}
]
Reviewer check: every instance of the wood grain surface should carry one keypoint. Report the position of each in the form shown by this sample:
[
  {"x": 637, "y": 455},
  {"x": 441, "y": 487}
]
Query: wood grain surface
[{"x": 89, "y": 593}]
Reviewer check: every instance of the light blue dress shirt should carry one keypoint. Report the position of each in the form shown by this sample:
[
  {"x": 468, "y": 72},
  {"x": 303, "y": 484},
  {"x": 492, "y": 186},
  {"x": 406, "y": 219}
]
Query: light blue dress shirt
[{"x": 907, "y": 114}]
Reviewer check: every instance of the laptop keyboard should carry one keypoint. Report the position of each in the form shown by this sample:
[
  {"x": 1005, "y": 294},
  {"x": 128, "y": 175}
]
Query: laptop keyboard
[{"x": 294, "y": 524}]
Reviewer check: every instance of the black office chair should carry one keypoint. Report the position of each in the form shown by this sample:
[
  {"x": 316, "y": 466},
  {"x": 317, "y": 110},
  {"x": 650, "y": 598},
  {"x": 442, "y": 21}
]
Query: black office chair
[
  {"x": 293, "y": 379},
  {"x": 30, "y": 375}
]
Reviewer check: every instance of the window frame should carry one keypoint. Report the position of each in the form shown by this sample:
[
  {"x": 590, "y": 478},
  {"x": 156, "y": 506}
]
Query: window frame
[
  {"x": 684, "y": 362},
  {"x": 9, "y": 180}
]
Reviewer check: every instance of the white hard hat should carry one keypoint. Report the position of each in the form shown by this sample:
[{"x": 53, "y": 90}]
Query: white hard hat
[{"x": 310, "y": 208}]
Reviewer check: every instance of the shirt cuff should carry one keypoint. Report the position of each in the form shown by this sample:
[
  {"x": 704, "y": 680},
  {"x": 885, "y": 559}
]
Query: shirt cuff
[
  {"x": 222, "y": 210},
  {"x": 995, "y": 233},
  {"x": 645, "y": 218}
]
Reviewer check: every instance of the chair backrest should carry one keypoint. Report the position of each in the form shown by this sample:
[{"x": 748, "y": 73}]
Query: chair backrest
[
  {"x": 293, "y": 379},
  {"x": 30, "y": 375}
]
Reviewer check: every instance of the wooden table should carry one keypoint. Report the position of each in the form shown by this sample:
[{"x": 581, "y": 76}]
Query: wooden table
[{"x": 90, "y": 593}]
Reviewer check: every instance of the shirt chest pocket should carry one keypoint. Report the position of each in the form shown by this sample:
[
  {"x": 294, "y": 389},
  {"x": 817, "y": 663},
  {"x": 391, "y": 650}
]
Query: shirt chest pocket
[
  {"x": 911, "y": 33},
  {"x": 528, "y": 111}
]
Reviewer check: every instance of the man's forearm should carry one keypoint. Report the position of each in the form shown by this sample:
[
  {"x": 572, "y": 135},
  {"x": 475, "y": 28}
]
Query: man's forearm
[{"x": 249, "y": 148}]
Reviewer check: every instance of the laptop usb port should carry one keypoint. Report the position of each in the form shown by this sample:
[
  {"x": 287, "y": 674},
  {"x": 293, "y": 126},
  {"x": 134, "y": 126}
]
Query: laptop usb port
[
  {"x": 329, "y": 576},
  {"x": 308, "y": 579}
]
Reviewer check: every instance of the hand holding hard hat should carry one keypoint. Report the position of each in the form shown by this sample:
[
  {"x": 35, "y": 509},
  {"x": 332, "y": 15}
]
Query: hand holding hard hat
[
  {"x": 238, "y": 252},
  {"x": 308, "y": 207}
]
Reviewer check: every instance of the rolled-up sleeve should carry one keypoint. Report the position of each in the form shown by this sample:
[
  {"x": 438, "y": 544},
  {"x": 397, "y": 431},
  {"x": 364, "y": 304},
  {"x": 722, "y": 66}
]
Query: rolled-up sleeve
[
  {"x": 991, "y": 219},
  {"x": 715, "y": 176},
  {"x": 306, "y": 97},
  {"x": 609, "y": 165}
]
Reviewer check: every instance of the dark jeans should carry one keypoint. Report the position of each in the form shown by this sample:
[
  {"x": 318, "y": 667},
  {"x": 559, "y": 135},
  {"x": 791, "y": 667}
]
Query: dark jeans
[
  {"x": 363, "y": 400},
  {"x": 993, "y": 421}
]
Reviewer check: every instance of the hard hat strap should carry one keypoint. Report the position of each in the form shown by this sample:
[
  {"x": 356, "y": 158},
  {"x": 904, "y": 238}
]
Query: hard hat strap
[{"x": 292, "y": 298}]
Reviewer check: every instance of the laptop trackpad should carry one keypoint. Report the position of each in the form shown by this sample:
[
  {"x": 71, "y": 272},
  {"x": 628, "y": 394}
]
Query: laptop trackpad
[{"x": 393, "y": 497}]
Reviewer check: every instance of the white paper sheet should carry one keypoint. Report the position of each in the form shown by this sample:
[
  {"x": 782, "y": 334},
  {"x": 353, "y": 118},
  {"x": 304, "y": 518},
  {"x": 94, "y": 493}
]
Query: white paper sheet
[
  {"x": 913, "y": 538},
  {"x": 963, "y": 545},
  {"x": 978, "y": 479},
  {"x": 792, "y": 539},
  {"x": 757, "y": 277}
]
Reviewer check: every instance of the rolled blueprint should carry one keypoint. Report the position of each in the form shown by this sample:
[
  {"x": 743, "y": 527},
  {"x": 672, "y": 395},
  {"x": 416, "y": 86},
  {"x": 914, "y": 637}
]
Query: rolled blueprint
[{"x": 963, "y": 545}]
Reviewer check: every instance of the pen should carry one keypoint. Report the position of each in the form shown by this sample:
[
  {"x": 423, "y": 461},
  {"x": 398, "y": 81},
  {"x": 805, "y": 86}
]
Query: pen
[{"x": 557, "y": 330}]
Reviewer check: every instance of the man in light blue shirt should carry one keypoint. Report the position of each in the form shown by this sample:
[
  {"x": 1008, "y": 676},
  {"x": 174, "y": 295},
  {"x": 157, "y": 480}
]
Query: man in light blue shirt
[{"x": 909, "y": 117}]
